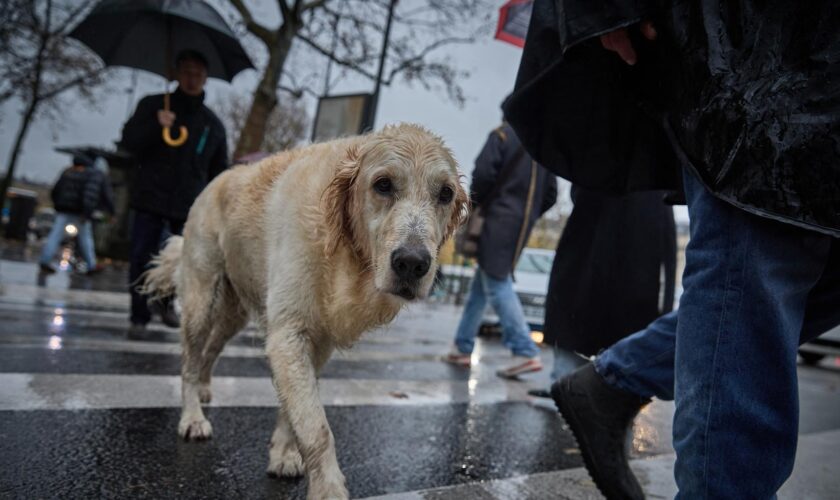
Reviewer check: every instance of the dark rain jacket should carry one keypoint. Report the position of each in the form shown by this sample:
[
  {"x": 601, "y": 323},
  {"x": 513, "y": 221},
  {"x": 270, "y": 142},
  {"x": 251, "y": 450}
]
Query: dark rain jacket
[
  {"x": 743, "y": 94},
  {"x": 614, "y": 270},
  {"x": 81, "y": 190},
  {"x": 505, "y": 215},
  {"x": 169, "y": 179}
]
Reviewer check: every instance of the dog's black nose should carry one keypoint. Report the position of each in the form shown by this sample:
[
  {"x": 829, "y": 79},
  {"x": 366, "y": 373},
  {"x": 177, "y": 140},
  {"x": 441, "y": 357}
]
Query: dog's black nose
[{"x": 411, "y": 263}]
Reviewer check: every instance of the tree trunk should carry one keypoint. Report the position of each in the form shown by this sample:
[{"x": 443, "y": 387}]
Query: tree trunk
[
  {"x": 265, "y": 98},
  {"x": 13, "y": 158}
]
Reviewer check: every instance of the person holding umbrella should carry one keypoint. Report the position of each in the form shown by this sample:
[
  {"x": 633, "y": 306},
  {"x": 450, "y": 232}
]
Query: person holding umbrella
[
  {"x": 169, "y": 178},
  {"x": 179, "y": 144}
]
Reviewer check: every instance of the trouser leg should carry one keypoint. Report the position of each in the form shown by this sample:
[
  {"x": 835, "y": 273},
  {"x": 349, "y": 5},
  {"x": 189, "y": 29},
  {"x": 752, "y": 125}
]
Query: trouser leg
[{"x": 145, "y": 240}]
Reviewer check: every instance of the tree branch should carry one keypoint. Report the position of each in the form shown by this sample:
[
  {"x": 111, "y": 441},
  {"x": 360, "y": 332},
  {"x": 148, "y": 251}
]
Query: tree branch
[
  {"x": 285, "y": 10},
  {"x": 314, "y": 4},
  {"x": 337, "y": 60},
  {"x": 72, "y": 15},
  {"x": 407, "y": 63},
  {"x": 69, "y": 84},
  {"x": 266, "y": 35},
  {"x": 297, "y": 93}
]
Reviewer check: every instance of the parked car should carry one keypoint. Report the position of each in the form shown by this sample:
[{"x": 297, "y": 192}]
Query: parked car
[
  {"x": 531, "y": 285},
  {"x": 827, "y": 344}
]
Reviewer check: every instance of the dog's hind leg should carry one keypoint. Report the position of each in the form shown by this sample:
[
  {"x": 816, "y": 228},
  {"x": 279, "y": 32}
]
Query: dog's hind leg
[
  {"x": 229, "y": 317},
  {"x": 200, "y": 294}
]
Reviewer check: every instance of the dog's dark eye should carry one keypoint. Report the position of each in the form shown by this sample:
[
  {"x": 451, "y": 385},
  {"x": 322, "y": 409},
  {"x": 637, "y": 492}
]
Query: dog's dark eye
[
  {"x": 445, "y": 195},
  {"x": 383, "y": 186}
]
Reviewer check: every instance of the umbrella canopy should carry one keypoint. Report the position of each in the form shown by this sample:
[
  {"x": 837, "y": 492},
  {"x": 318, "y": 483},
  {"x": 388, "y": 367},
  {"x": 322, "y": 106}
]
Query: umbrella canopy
[
  {"x": 514, "y": 17},
  {"x": 148, "y": 34}
]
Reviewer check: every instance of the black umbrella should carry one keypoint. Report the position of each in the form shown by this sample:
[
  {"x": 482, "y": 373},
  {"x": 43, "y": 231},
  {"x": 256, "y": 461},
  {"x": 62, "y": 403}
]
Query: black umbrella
[{"x": 146, "y": 34}]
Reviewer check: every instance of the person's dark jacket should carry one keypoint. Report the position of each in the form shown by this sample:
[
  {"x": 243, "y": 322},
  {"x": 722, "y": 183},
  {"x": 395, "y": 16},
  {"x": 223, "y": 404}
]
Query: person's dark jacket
[
  {"x": 743, "y": 94},
  {"x": 81, "y": 190},
  {"x": 505, "y": 214},
  {"x": 614, "y": 271},
  {"x": 169, "y": 179}
]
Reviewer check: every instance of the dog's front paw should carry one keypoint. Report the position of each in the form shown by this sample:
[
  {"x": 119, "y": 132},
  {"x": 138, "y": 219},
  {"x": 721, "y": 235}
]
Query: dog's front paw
[
  {"x": 327, "y": 491},
  {"x": 194, "y": 428},
  {"x": 205, "y": 395},
  {"x": 285, "y": 462}
]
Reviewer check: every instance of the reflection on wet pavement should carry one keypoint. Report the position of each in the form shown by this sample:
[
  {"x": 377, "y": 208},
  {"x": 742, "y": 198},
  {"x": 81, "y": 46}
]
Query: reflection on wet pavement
[{"x": 84, "y": 412}]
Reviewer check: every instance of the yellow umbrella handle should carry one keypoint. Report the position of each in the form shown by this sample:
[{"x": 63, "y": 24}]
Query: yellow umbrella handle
[
  {"x": 167, "y": 137},
  {"x": 182, "y": 137}
]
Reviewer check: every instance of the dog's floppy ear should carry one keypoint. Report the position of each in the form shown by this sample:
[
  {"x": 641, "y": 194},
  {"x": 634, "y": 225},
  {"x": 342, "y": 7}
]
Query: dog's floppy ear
[
  {"x": 460, "y": 211},
  {"x": 336, "y": 201}
]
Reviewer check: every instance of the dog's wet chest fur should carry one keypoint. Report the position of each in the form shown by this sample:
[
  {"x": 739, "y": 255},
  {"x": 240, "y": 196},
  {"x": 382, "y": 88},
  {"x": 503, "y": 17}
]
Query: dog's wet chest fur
[{"x": 355, "y": 307}]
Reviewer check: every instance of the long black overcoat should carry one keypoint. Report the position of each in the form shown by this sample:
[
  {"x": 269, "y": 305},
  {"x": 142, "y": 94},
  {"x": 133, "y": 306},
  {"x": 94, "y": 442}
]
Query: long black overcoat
[
  {"x": 169, "y": 179},
  {"x": 745, "y": 94},
  {"x": 614, "y": 270}
]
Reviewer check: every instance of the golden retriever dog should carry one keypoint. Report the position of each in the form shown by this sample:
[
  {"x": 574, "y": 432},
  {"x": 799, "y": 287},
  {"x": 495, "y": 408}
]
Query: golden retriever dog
[{"x": 317, "y": 246}]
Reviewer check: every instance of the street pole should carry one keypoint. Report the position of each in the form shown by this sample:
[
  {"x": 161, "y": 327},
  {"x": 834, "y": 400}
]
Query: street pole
[{"x": 374, "y": 102}]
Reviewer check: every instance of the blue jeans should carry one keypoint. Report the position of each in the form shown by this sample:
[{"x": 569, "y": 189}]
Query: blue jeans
[
  {"x": 754, "y": 290},
  {"x": 515, "y": 331},
  {"x": 84, "y": 238}
]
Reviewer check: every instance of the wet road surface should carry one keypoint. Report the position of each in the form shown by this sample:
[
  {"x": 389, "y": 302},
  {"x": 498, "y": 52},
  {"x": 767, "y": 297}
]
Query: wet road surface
[{"x": 86, "y": 413}]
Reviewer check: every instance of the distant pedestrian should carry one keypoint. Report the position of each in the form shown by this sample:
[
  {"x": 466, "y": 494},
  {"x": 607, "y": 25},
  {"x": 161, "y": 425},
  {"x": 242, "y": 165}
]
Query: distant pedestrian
[
  {"x": 169, "y": 178},
  {"x": 81, "y": 190},
  {"x": 512, "y": 192},
  {"x": 614, "y": 272}
]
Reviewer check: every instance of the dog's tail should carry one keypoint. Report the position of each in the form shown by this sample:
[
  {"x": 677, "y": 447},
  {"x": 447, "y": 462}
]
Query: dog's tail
[{"x": 161, "y": 281}]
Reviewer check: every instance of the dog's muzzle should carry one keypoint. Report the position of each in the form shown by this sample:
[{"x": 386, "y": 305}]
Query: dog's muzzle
[{"x": 410, "y": 264}]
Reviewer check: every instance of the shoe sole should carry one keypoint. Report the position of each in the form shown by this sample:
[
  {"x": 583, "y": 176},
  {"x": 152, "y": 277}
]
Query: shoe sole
[
  {"x": 540, "y": 394},
  {"x": 572, "y": 421},
  {"x": 457, "y": 363},
  {"x": 514, "y": 374}
]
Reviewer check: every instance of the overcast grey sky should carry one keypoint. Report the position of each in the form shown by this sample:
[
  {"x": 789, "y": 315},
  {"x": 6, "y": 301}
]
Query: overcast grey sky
[{"x": 492, "y": 65}]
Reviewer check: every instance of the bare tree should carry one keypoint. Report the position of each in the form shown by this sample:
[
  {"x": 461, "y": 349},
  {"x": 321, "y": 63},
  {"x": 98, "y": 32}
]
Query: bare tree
[
  {"x": 39, "y": 63},
  {"x": 349, "y": 33},
  {"x": 286, "y": 126}
]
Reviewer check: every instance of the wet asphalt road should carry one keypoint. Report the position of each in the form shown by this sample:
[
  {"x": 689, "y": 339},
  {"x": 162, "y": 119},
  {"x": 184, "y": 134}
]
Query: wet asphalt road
[
  {"x": 78, "y": 449},
  {"x": 84, "y": 413}
]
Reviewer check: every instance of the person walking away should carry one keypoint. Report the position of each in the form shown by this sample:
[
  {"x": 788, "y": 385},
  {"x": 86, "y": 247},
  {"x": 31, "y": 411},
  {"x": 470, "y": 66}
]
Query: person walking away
[
  {"x": 168, "y": 179},
  {"x": 80, "y": 190},
  {"x": 614, "y": 272},
  {"x": 513, "y": 192},
  {"x": 743, "y": 96}
]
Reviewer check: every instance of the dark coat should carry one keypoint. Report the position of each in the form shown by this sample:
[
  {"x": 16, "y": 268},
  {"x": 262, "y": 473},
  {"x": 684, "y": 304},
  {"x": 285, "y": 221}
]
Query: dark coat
[
  {"x": 170, "y": 178},
  {"x": 605, "y": 281},
  {"x": 80, "y": 190},
  {"x": 744, "y": 94},
  {"x": 505, "y": 214}
]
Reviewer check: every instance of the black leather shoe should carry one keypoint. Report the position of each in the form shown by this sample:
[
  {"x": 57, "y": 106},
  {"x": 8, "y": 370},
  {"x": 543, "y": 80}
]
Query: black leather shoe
[
  {"x": 601, "y": 417},
  {"x": 169, "y": 317},
  {"x": 539, "y": 393},
  {"x": 46, "y": 269},
  {"x": 137, "y": 331},
  {"x": 165, "y": 308}
]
